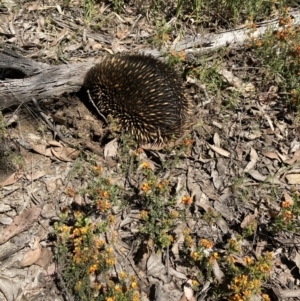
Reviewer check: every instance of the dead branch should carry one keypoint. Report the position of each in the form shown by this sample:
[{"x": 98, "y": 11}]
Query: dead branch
[{"x": 44, "y": 81}]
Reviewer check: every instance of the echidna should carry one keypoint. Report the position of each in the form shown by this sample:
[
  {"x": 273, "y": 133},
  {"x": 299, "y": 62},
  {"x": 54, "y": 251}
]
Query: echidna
[{"x": 144, "y": 94}]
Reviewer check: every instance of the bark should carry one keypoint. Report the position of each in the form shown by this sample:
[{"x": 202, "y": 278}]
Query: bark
[{"x": 42, "y": 81}]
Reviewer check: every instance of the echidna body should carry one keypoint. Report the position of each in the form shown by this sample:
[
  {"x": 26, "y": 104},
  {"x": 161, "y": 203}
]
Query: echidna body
[{"x": 143, "y": 93}]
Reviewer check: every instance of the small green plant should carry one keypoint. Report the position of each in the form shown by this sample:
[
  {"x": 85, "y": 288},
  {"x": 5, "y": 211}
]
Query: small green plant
[
  {"x": 117, "y": 5},
  {"x": 208, "y": 75},
  {"x": 85, "y": 259},
  {"x": 242, "y": 278},
  {"x": 88, "y": 9},
  {"x": 279, "y": 57},
  {"x": 161, "y": 37},
  {"x": 287, "y": 219},
  {"x": 226, "y": 13}
]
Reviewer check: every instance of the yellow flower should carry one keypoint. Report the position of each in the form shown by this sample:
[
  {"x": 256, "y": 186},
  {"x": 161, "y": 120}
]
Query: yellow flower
[
  {"x": 248, "y": 260},
  {"x": 174, "y": 214},
  {"x": 236, "y": 297},
  {"x": 83, "y": 230},
  {"x": 133, "y": 284},
  {"x": 145, "y": 165},
  {"x": 230, "y": 259},
  {"x": 136, "y": 296},
  {"x": 212, "y": 258},
  {"x": 97, "y": 169},
  {"x": 92, "y": 268},
  {"x": 98, "y": 243},
  {"x": 188, "y": 241},
  {"x": 265, "y": 297},
  {"x": 111, "y": 219},
  {"x": 145, "y": 187},
  {"x": 187, "y": 142},
  {"x": 78, "y": 286},
  {"x": 122, "y": 275},
  {"x": 110, "y": 261},
  {"x": 195, "y": 255},
  {"x": 143, "y": 215},
  {"x": 195, "y": 283}
]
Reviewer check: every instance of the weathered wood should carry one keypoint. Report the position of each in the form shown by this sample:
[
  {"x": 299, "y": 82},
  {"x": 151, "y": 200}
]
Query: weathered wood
[
  {"x": 44, "y": 82},
  {"x": 12, "y": 64}
]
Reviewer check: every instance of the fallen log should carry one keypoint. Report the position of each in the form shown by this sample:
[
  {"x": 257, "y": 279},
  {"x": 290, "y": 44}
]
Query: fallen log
[{"x": 40, "y": 80}]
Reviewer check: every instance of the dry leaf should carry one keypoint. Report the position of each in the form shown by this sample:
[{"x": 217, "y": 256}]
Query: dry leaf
[
  {"x": 36, "y": 175},
  {"x": 39, "y": 148},
  {"x": 12, "y": 179},
  {"x": 45, "y": 258},
  {"x": 282, "y": 157},
  {"x": 217, "y": 141},
  {"x": 111, "y": 148},
  {"x": 249, "y": 219},
  {"x": 32, "y": 255},
  {"x": 271, "y": 155},
  {"x": 295, "y": 158},
  {"x": 251, "y": 136},
  {"x": 259, "y": 177},
  {"x": 288, "y": 198},
  {"x": 297, "y": 260},
  {"x": 54, "y": 143},
  {"x": 65, "y": 154},
  {"x": 60, "y": 37},
  {"x": 218, "y": 272},
  {"x": 188, "y": 291},
  {"x": 21, "y": 223},
  {"x": 177, "y": 274},
  {"x": 220, "y": 151},
  {"x": 230, "y": 78},
  {"x": 293, "y": 179},
  {"x": 259, "y": 248},
  {"x": 253, "y": 160}
]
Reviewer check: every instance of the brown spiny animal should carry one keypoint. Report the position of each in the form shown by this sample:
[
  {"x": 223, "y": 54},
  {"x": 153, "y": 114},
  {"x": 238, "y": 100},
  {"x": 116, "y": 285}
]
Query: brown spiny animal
[{"x": 144, "y": 94}]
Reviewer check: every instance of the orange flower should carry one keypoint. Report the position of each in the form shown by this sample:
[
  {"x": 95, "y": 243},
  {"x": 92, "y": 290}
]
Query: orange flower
[
  {"x": 205, "y": 243},
  {"x": 285, "y": 204},
  {"x": 97, "y": 169},
  {"x": 102, "y": 205},
  {"x": 186, "y": 200},
  {"x": 145, "y": 187},
  {"x": 143, "y": 215},
  {"x": 70, "y": 192},
  {"x": 92, "y": 268}
]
